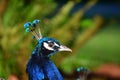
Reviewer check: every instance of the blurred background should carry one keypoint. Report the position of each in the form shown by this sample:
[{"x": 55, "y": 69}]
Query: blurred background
[{"x": 91, "y": 28}]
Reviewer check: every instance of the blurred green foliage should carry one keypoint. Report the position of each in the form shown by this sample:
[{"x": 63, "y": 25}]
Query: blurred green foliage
[{"x": 73, "y": 31}]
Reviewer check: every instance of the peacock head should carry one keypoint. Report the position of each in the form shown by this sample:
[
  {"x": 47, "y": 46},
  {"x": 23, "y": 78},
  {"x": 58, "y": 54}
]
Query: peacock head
[{"x": 46, "y": 46}]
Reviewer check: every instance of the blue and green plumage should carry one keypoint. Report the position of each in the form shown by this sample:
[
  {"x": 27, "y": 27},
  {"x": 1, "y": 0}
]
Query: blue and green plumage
[{"x": 39, "y": 66}]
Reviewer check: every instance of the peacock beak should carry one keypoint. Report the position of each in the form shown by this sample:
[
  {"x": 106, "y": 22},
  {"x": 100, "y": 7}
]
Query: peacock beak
[{"x": 64, "y": 48}]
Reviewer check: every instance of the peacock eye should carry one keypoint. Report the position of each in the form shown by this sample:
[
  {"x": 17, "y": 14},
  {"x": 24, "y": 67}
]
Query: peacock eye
[{"x": 51, "y": 44}]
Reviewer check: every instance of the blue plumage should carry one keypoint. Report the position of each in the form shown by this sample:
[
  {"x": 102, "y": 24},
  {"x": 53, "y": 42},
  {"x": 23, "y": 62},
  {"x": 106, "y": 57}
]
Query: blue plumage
[{"x": 39, "y": 66}]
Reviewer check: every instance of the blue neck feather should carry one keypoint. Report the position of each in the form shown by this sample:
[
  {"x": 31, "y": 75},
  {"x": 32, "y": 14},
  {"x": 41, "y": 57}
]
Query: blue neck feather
[{"x": 42, "y": 68}]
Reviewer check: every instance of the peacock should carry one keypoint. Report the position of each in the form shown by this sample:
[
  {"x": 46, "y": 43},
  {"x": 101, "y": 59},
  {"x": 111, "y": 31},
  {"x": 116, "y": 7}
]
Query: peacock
[{"x": 39, "y": 65}]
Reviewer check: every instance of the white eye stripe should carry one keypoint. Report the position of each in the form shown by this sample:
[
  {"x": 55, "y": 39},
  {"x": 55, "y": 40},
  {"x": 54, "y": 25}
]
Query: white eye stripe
[
  {"x": 47, "y": 46},
  {"x": 55, "y": 44}
]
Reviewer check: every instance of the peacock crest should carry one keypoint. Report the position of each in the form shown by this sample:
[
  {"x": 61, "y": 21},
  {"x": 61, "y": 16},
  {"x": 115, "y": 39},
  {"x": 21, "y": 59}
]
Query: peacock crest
[{"x": 34, "y": 28}]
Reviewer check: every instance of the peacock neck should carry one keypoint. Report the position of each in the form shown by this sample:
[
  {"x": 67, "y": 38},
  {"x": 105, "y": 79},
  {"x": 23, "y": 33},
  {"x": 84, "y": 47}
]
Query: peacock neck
[{"x": 42, "y": 66}]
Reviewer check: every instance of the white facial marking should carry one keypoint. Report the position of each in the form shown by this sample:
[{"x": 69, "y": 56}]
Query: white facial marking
[
  {"x": 47, "y": 46},
  {"x": 56, "y": 44}
]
